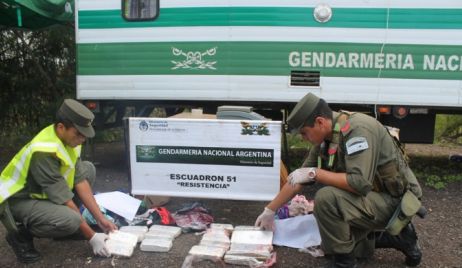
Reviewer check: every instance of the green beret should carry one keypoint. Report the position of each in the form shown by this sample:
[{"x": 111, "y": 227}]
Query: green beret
[
  {"x": 80, "y": 116},
  {"x": 303, "y": 111}
]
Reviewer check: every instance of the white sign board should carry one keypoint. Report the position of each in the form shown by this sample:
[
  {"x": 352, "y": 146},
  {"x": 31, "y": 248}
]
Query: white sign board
[{"x": 209, "y": 158}]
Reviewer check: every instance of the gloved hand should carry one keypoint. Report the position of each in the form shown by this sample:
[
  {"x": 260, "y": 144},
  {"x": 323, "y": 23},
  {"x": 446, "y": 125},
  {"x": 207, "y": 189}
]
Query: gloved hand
[
  {"x": 266, "y": 220},
  {"x": 302, "y": 176},
  {"x": 98, "y": 244}
]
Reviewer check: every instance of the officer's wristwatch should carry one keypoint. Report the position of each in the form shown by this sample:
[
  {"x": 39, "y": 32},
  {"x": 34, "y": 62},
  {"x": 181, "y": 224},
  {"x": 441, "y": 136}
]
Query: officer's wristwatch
[
  {"x": 311, "y": 176},
  {"x": 312, "y": 173}
]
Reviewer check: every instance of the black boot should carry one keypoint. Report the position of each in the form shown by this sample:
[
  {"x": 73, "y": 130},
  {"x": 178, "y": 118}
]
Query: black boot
[
  {"x": 23, "y": 246},
  {"x": 344, "y": 261},
  {"x": 406, "y": 242}
]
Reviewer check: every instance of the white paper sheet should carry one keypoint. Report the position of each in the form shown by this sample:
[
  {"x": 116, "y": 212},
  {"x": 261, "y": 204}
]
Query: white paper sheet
[
  {"x": 297, "y": 232},
  {"x": 119, "y": 203}
]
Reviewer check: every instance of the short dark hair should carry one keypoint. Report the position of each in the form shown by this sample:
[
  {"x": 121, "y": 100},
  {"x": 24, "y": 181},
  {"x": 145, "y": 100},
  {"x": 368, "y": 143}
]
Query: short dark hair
[{"x": 322, "y": 110}]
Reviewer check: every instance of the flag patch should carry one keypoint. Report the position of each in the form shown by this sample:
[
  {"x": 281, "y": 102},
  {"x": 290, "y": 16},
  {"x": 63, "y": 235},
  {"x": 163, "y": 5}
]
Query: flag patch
[{"x": 356, "y": 144}]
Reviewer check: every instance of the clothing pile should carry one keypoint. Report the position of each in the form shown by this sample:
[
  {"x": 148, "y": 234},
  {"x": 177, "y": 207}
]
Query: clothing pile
[
  {"x": 193, "y": 217},
  {"x": 299, "y": 205}
]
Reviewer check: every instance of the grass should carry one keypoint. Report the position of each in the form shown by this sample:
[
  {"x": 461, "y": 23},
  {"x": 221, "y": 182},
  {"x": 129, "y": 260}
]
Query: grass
[{"x": 436, "y": 172}]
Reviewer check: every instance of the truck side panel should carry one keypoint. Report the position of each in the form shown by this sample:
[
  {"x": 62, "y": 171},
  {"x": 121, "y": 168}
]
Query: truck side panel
[{"x": 368, "y": 53}]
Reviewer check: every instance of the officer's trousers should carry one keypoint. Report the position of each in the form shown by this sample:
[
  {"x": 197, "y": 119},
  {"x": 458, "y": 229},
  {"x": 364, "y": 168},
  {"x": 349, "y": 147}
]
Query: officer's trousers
[
  {"x": 345, "y": 219},
  {"x": 44, "y": 218}
]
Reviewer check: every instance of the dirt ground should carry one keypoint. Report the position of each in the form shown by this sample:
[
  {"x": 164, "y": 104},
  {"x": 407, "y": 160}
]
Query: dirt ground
[{"x": 440, "y": 233}]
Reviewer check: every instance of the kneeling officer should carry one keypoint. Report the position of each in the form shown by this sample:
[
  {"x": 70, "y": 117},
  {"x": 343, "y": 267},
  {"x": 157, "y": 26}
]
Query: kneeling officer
[
  {"x": 39, "y": 183},
  {"x": 368, "y": 184}
]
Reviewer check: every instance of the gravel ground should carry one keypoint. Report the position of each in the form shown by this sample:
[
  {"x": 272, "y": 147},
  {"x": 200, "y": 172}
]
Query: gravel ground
[{"x": 440, "y": 233}]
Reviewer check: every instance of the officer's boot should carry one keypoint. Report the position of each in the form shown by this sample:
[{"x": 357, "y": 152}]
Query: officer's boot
[
  {"x": 347, "y": 260},
  {"x": 406, "y": 242},
  {"x": 22, "y": 243}
]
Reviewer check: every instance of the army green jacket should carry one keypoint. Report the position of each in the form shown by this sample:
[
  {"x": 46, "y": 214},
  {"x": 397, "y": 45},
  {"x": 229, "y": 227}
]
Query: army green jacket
[
  {"x": 364, "y": 146},
  {"x": 44, "y": 176}
]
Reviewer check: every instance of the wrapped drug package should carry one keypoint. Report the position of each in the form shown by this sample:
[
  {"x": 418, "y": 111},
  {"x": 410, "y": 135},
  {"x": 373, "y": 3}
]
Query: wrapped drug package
[
  {"x": 139, "y": 231},
  {"x": 121, "y": 244},
  {"x": 249, "y": 246}
]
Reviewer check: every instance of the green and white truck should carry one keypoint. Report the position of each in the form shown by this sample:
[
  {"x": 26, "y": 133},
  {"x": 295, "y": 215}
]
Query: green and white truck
[{"x": 398, "y": 60}]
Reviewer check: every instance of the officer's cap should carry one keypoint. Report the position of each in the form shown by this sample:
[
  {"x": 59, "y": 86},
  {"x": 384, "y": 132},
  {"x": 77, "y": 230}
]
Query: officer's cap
[
  {"x": 80, "y": 116},
  {"x": 303, "y": 112}
]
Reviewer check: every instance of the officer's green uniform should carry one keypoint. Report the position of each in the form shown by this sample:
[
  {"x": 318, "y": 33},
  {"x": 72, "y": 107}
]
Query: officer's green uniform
[
  {"x": 363, "y": 149},
  {"x": 49, "y": 218},
  {"x": 41, "y": 177}
]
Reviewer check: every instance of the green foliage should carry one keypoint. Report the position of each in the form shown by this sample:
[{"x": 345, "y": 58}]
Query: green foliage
[
  {"x": 448, "y": 129},
  {"x": 298, "y": 149},
  {"x": 296, "y": 142},
  {"x": 110, "y": 135},
  {"x": 436, "y": 172},
  {"x": 37, "y": 72}
]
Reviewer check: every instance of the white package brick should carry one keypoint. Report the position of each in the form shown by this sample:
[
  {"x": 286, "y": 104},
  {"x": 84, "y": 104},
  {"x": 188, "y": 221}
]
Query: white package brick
[
  {"x": 211, "y": 238},
  {"x": 259, "y": 254},
  {"x": 125, "y": 238},
  {"x": 252, "y": 237},
  {"x": 121, "y": 243},
  {"x": 247, "y": 228},
  {"x": 134, "y": 230},
  {"x": 159, "y": 235},
  {"x": 225, "y": 226},
  {"x": 212, "y": 243},
  {"x": 205, "y": 251},
  {"x": 242, "y": 260},
  {"x": 156, "y": 245},
  {"x": 119, "y": 248},
  {"x": 249, "y": 246},
  {"x": 176, "y": 231}
]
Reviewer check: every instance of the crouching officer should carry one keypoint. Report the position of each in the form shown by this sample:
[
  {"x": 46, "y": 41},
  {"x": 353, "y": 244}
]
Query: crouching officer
[
  {"x": 368, "y": 184},
  {"x": 38, "y": 185}
]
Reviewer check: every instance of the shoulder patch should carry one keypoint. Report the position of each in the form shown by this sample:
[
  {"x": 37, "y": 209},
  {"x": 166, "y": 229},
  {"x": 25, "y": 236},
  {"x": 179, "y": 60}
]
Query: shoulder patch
[
  {"x": 345, "y": 127},
  {"x": 356, "y": 144}
]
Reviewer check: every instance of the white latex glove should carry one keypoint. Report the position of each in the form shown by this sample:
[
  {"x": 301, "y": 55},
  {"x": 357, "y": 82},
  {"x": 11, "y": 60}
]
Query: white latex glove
[
  {"x": 302, "y": 176},
  {"x": 98, "y": 244},
  {"x": 266, "y": 220}
]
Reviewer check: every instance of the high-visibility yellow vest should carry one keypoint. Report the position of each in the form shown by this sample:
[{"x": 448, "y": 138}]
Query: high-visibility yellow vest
[{"x": 13, "y": 177}]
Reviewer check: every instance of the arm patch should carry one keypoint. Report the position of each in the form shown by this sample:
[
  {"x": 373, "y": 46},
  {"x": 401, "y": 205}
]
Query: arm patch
[{"x": 356, "y": 144}]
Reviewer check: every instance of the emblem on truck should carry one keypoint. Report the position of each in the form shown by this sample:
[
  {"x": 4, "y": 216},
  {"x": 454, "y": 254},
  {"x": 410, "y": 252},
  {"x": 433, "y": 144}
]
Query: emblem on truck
[{"x": 193, "y": 59}]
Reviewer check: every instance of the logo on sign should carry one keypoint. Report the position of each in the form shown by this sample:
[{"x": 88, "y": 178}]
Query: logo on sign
[
  {"x": 143, "y": 126},
  {"x": 254, "y": 129}
]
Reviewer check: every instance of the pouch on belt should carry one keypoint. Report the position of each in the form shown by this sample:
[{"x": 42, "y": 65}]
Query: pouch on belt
[{"x": 407, "y": 208}]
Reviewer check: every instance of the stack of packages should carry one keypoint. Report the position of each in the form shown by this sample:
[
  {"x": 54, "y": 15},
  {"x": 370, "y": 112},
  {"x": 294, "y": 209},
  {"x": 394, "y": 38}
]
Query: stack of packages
[
  {"x": 250, "y": 246},
  {"x": 138, "y": 231},
  {"x": 121, "y": 243},
  {"x": 214, "y": 243},
  {"x": 160, "y": 238}
]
